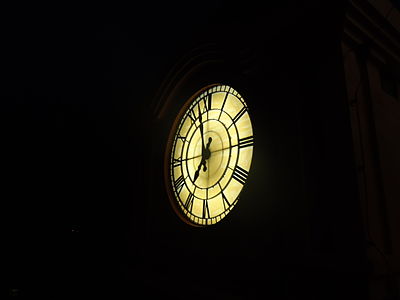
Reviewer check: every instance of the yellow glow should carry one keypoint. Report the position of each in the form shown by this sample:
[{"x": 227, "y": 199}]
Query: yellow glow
[
  {"x": 217, "y": 100},
  {"x": 207, "y": 186},
  {"x": 197, "y": 208},
  {"x": 233, "y": 105},
  {"x": 245, "y": 158}
]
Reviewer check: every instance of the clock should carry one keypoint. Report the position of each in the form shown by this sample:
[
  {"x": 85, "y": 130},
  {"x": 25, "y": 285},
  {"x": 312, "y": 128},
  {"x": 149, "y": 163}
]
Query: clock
[{"x": 208, "y": 155}]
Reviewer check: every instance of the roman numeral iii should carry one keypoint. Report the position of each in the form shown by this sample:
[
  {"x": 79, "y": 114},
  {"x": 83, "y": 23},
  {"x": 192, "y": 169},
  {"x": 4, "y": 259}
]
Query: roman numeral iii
[{"x": 246, "y": 142}]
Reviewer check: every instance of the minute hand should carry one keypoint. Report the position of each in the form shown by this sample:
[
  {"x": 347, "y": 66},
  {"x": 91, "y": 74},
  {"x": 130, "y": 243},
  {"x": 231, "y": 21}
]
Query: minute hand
[
  {"x": 226, "y": 148},
  {"x": 201, "y": 133}
]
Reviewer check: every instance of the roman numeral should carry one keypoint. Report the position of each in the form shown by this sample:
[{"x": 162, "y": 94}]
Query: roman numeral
[
  {"x": 225, "y": 201},
  {"x": 246, "y": 142},
  {"x": 239, "y": 114},
  {"x": 240, "y": 175},
  {"x": 206, "y": 210},
  {"x": 207, "y": 102},
  {"x": 192, "y": 116},
  {"x": 179, "y": 184},
  {"x": 189, "y": 202},
  {"x": 183, "y": 138},
  {"x": 223, "y": 104},
  {"x": 177, "y": 162}
]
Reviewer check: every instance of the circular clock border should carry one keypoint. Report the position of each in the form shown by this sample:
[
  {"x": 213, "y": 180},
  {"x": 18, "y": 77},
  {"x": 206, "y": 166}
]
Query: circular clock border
[{"x": 167, "y": 156}]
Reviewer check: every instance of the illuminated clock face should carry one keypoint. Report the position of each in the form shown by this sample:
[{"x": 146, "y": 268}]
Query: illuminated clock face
[{"x": 209, "y": 156}]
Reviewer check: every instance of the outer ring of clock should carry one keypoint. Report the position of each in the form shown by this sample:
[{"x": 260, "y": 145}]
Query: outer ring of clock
[{"x": 167, "y": 159}]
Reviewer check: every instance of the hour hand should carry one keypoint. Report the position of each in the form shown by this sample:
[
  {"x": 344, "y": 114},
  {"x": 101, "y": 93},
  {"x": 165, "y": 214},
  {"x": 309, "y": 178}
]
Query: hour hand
[{"x": 197, "y": 173}]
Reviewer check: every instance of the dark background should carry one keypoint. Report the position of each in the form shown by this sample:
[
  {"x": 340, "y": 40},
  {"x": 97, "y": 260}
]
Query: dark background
[{"x": 85, "y": 205}]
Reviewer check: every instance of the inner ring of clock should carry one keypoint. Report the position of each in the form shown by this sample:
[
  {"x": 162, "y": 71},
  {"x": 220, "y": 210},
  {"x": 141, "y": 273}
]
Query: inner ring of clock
[{"x": 216, "y": 134}]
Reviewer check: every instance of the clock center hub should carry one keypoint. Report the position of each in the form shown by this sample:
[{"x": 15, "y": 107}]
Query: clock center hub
[{"x": 213, "y": 152}]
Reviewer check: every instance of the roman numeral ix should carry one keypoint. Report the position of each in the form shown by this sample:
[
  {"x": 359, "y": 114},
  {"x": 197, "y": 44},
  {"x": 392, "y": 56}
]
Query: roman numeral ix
[{"x": 177, "y": 162}]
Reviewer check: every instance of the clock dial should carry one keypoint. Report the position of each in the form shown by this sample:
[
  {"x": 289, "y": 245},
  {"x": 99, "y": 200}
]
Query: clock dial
[{"x": 209, "y": 156}]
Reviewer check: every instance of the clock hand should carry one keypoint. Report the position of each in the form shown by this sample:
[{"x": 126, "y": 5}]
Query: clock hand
[
  {"x": 197, "y": 173},
  {"x": 206, "y": 154},
  {"x": 185, "y": 159},
  {"x": 201, "y": 131},
  {"x": 226, "y": 148},
  {"x": 200, "y": 155},
  {"x": 203, "y": 149},
  {"x": 207, "y": 151}
]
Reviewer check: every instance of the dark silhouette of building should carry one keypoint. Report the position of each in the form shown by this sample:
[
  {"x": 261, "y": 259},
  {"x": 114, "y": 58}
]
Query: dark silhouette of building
[{"x": 371, "y": 54}]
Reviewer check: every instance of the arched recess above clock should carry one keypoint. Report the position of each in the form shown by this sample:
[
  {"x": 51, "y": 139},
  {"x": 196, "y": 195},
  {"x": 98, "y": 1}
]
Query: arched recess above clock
[{"x": 202, "y": 65}]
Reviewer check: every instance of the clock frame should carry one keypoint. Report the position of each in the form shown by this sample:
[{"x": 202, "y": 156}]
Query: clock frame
[{"x": 208, "y": 155}]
